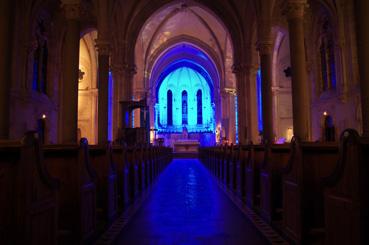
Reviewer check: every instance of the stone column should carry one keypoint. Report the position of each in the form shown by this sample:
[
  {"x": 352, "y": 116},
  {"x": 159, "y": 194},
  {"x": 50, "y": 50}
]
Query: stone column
[
  {"x": 69, "y": 106},
  {"x": 117, "y": 72},
  {"x": 252, "y": 115},
  {"x": 128, "y": 72},
  {"x": 6, "y": 33},
  {"x": 265, "y": 53},
  {"x": 294, "y": 10},
  {"x": 103, "y": 86},
  {"x": 362, "y": 19},
  {"x": 103, "y": 47}
]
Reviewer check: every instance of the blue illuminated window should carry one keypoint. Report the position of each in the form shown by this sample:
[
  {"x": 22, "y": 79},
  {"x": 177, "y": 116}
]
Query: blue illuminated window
[
  {"x": 170, "y": 107},
  {"x": 184, "y": 108},
  {"x": 189, "y": 102},
  {"x": 199, "y": 106},
  {"x": 259, "y": 98}
]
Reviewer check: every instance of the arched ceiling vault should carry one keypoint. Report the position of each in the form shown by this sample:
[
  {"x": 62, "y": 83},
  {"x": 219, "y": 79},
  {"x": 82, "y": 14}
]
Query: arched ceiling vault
[
  {"x": 180, "y": 23},
  {"x": 185, "y": 40},
  {"x": 136, "y": 14}
]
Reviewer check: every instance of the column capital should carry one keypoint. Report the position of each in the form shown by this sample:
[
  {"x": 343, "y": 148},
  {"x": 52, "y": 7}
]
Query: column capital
[
  {"x": 264, "y": 46},
  {"x": 293, "y": 9},
  {"x": 103, "y": 47},
  {"x": 244, "y": 68},
  {"x": 71, "y": 9}
]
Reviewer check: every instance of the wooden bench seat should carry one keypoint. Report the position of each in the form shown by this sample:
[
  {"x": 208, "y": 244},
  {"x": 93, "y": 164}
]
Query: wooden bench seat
[
  {"x": 235, "y": 167},
  {"x": 276, "y": 158},
  {"x": 244, "y": 158},
  {"x": 346, "y": 197},
  {"x": 303, "y": 206},
  {"x": 77, "y": 196},
  {"x": 252, "y": 169},
  {"x": 106, "y": 181},
  {"x": 124, "y": 169},
  {"x": 28, "y": 195}
]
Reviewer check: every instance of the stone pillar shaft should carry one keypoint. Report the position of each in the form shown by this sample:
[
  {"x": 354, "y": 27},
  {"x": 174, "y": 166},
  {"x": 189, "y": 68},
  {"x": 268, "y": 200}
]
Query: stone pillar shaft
[
  {"x": 294, "y": 9},
  {"x": 362, "y": 18},
  {"x": 5, "y": 67},
  {"x": 253, "y": 133},
  {"x": 265, "y": 53},
  {"x": 70, "y": 75},
  {"x": 103, "y": 86}
]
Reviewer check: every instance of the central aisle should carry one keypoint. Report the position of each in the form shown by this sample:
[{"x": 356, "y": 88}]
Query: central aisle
[{"x": 187, "y": 207}]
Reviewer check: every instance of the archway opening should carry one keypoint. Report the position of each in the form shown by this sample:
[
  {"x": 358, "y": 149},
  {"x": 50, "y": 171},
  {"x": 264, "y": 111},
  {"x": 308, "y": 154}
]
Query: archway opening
[{"x": 184, "y": 59}]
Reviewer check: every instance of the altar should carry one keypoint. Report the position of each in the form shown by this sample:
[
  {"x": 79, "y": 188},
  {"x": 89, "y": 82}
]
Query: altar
[{"x": 186, "y": 146}]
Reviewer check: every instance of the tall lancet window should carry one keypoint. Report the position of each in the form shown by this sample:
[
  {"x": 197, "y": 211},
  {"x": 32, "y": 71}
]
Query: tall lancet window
[
  {"x": 327, "y": 59},
  {"x": 169, "y": 108},
  {"x": 184, "y": 108},
  {"x": 199, "y": 106}
]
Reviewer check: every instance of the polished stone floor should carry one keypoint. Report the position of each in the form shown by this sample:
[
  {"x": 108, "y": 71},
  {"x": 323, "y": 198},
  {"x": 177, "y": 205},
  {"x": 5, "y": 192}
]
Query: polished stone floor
[{"x": 187, "y": 207}]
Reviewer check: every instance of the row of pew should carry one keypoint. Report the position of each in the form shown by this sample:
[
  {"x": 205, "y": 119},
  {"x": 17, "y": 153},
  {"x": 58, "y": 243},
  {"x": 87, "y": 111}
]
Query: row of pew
[
  {"x": 67, "y": 194},
  {"x": 312, "y": 193}
]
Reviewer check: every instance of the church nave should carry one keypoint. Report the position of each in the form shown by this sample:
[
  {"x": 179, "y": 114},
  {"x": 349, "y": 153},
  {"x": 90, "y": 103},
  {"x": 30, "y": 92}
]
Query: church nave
[{"x": 186, "y": 206}]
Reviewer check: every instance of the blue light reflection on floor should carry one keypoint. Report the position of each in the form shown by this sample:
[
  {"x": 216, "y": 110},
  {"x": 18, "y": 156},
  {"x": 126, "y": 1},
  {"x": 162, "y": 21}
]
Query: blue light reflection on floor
[{"x": 187, "y": 207}]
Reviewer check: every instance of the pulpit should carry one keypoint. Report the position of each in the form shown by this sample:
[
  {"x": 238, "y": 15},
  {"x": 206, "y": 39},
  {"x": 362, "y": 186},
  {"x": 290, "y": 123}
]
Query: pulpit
[{"x": 133, "y": 136}]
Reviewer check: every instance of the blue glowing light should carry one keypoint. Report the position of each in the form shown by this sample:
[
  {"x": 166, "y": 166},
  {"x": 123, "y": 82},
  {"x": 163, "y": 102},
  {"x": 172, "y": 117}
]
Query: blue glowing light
[
  {"x": 184, "y": 84},
  {"x": 110, "y": 107},
  {"x": 259, "y": 97},
  {"x": 236, "y": 116}
]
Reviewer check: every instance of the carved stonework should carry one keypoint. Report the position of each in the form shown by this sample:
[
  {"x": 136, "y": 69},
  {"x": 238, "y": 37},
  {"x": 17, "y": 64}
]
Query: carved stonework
[
  {"x": 245, "y": 68},
  {"x": 294, "y": 8},
  {"x": 72, "y": 11},
  {"x": 264, "y": 47},
  {"x": 103, "y": 47}
]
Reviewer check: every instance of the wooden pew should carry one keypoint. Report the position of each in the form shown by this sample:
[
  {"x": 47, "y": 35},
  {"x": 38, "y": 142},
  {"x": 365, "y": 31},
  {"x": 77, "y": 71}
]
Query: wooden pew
[
  {"x": 227, "y": 165},
  {"x": 120, "y": 159},
  {"x": 303, "y": 207},
  {"x": 151, "y": 163},
  {"x": 244, "y": 158},
  {"x": 253, "y": 175},
  {"x": 346, "y": 193},
  {"x": 28, "y": 195},
  {"x": 77, "y": 196},
  {"x": 235, "y": 167},
  {"x": 106, "y": 182},
  {"x": 275, "y": 161},
  {"x": 147, "y": 162},
  {"x": 131, "y": 161},
  {"x": 140, "y": 162},
  {"x": 221, "y": 162}
]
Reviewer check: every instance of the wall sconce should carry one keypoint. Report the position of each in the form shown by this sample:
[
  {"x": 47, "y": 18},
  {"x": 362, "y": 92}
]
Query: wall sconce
[
  {"x": 325, "y": 113},
  {"x": 43, "y": 116}
]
